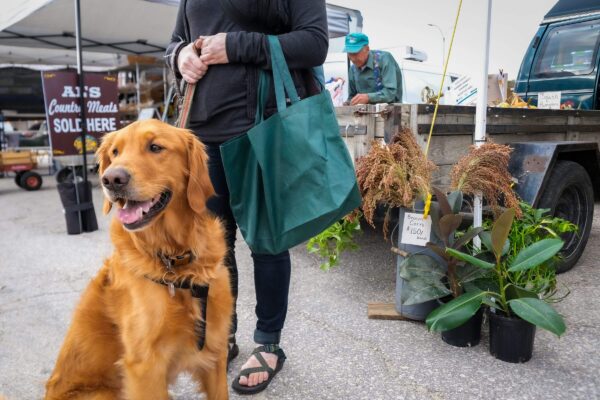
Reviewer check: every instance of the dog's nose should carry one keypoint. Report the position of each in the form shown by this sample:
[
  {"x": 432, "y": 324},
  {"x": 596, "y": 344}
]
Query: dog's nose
[{"x": 115, "y": 178}]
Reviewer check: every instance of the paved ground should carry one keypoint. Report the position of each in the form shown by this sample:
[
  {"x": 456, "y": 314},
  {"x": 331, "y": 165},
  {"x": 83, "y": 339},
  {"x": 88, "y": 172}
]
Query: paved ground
[{"x": 334, "y": 351}]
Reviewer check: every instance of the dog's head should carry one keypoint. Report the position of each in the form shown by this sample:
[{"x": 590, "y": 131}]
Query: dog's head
[{"x": 149, "y": 169}]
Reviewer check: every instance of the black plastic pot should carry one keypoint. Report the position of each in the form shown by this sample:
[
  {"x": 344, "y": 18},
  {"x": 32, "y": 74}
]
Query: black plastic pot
[
  {"x": 466, "y": 335},
  {"x": 511, "y": 338}
]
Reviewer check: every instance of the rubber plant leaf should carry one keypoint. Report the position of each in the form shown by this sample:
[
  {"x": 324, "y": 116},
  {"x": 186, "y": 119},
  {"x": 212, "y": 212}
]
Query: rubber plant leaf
[
  {"x": 501, "y": 230},
  {"x": 486, "y": 239},
  {"x": 448, "y": 225},
  {"x": 536, "y": 254},
  {"x": 442, "y": 201},
  {"x": 419, "y": 290},
  {"x": 455, "y": 200},
  {"x": 421, "y": 266},
  {"x": 467, "y": 237},
  {"x": 517, "y": 292},
  {"x": 456, "y": 312},
  {"x": 437, "y": 250},
  {"x": 467, "y": 273},
  {"x": 470, "y": 259},
  {"x": 539, "y": 313}
]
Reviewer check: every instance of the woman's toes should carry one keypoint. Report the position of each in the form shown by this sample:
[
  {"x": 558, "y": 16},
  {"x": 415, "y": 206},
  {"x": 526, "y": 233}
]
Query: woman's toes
[{"x": 243, "y": 380}]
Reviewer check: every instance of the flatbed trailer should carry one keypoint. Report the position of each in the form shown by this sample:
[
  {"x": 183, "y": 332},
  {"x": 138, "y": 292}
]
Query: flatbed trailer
[{"x": 555, "y": 160}]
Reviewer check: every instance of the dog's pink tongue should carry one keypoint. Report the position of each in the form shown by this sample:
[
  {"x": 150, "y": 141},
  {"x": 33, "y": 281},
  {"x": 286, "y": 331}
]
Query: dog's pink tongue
[{"x": 133, "y": 212}]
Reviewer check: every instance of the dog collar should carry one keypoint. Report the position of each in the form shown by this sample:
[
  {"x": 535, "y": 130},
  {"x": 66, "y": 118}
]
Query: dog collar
[{"x": 176, "y": 261}]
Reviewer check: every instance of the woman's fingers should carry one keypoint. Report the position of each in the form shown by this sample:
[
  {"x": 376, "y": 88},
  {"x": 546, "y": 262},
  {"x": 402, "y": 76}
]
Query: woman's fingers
[{"x": 190, "y": 66}]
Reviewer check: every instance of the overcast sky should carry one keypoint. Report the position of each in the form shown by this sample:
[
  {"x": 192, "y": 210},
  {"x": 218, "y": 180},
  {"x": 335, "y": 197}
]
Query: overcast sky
[{"x": 390, "y": 23}]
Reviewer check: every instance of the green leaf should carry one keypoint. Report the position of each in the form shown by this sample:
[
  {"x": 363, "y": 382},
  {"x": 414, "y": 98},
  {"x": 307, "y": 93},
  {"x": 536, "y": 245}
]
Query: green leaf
[
  {"x": 470, "y": 259},
  {"x": 501, "y": 230},
  {"x": 486, "y": 239},
  {"x": 455, "y": 199},
  {"x": 455, "y": 313},
  {"x": 517, "y": 292},
  {"x": 421, "y": 266},
  {"x": 468, "y": 273},
  {"x": 442, "y": 201},
  {"x": 419, "y": 290},
  {"x": 467, "y": 237},
  {"x": 448, "y": 225},
  {"x": 539, "y": 313},
  {"x": 536, "y": 254}
]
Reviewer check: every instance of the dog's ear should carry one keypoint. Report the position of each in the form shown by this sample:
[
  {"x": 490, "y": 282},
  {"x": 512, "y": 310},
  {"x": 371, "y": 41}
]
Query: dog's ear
[
  {"x": 199, "y": 188},
  {"x": 102, "y": 156}
]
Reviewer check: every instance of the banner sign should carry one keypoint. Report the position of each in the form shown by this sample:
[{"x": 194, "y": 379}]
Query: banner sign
[{"x": 61, "y": 95}]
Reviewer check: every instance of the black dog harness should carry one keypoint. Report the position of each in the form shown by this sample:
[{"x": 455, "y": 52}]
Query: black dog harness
[{"x": 199, "y": 292}]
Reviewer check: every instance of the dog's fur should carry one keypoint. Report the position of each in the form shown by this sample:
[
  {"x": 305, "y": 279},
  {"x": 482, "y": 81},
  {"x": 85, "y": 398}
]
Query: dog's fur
[{"x": 129, "y": 338}]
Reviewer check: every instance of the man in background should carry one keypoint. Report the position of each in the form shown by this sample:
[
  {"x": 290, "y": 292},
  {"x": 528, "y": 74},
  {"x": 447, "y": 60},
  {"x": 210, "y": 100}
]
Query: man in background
[{"x": 374, "y": 75}]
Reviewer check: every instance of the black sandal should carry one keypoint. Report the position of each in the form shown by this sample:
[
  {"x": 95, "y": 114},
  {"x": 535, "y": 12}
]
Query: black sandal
[{"x": 267, "y": 348}]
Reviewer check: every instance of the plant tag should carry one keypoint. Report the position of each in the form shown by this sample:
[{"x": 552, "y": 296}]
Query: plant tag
[{"x": 416, "y": 229}]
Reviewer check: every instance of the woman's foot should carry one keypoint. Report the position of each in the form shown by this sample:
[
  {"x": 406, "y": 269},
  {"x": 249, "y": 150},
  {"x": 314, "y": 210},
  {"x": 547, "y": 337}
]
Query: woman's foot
[
  {"x": 258, "y": 377},
  {"x": 259, "y": 370}
]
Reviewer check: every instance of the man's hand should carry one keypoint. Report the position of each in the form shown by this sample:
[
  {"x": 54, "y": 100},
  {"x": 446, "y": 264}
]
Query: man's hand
[
  {"x": 361, "y": 98},
  {"x": 190, "y": 66},
  {"x": 214, "y": 50}
]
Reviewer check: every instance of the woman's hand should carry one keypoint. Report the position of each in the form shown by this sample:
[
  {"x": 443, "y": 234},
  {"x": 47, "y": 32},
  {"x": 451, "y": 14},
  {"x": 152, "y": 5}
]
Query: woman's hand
[
  {"x": 214, "y": 50},
  {"x": 190, "y": 66}
]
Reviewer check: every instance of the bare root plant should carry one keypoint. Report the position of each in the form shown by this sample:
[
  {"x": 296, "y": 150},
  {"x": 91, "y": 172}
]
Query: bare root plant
[
  {"x": 485, "y": 170},
  {"x": 393, "y": 175}
]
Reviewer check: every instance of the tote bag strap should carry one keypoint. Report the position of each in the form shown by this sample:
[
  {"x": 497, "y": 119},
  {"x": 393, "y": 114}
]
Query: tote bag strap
[{"x": 282, "y": 79}]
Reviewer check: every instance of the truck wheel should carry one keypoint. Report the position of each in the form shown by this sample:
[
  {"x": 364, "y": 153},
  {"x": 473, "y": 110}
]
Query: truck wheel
[
  {"x": 18, "y": 178},
  {"x": 569, "y": 195},
  {"x": 31, "y": 180}
]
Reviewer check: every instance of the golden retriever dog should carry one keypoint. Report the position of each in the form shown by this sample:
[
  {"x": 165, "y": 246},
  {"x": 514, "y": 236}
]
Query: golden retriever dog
[{"x": 162, "y": 303}]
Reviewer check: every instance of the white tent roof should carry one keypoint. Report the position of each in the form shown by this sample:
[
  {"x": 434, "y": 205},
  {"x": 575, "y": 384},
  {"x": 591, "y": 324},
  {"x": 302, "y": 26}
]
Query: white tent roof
[
  {"x": 140, "y": 27},
  {"x": 108, "y": 26},
  {"x": 43, "y": 59}
]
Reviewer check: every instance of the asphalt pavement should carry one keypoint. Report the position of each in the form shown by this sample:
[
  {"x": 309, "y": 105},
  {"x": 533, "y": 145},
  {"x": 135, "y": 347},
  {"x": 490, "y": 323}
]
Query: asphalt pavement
[{"x": 334, "y": 351}]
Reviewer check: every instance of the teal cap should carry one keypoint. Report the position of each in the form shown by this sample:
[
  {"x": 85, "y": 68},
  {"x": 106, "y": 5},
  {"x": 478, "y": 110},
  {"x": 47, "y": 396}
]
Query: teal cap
[{"x": 355, "y": 42}]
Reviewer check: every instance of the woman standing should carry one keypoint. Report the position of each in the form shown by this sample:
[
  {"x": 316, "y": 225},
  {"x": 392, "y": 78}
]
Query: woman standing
[{"x": 224, "y": 64}]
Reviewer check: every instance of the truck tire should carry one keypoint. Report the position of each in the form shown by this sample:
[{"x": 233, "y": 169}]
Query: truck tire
[
  {"x": 569, "y": 195},
  {"x": 31, "y": 180}
]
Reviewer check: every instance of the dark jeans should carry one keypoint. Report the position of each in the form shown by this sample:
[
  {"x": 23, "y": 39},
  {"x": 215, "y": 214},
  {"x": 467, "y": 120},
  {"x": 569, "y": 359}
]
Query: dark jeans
[{"x": 271, "y": 272}]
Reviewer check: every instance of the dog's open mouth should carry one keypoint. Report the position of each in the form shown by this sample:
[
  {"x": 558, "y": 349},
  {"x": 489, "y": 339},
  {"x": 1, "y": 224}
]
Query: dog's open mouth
[{"x": 134, "y": 214}]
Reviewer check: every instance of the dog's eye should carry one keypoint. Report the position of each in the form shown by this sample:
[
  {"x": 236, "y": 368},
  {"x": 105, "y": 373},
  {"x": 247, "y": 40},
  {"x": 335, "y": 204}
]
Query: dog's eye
[
  {"x": 115, "y": 152},
  {"x": 156, "y": 148}
]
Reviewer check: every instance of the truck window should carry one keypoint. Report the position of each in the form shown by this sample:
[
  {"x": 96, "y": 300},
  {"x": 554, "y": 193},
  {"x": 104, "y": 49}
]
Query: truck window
[{"x": 568, "y": 50}]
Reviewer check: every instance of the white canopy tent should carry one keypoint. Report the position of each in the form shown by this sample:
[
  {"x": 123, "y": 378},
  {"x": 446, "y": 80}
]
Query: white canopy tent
[
  {"x": 45, "y": 59},
  {"x": 141, "y": 27}
]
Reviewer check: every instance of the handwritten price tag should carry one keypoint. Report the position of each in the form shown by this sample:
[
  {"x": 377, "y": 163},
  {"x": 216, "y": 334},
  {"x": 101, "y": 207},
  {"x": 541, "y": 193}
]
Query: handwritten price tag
[{"x": 415, "y": 229}]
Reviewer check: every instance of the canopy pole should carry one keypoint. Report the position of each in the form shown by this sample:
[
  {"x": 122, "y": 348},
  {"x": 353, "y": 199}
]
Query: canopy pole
[
  {"x": 481, "y": 115},
  {"x": 84, "y": 127}
]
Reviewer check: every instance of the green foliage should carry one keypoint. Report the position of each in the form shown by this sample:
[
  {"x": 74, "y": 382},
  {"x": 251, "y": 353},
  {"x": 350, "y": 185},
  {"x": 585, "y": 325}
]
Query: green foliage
[
  {"x": 456, "y": 312},
  {"x": 424, "y": 279},
  {"x": 508, "y": 297},
  {"x": 534, "y": 226},
  {"x": 336, "y": 239}
]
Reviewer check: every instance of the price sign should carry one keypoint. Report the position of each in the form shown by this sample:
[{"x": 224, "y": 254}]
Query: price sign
[{"x": 416, "y": 230}]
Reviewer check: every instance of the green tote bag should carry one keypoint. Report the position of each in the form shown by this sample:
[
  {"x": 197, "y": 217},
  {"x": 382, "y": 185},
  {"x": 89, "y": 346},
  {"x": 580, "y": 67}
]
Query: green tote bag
[{"x": 290, "y": 177}]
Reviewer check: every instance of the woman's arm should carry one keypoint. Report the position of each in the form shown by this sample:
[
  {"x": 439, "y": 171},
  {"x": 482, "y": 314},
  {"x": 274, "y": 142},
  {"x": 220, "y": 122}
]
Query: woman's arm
[{"x": 305, "y": 46}]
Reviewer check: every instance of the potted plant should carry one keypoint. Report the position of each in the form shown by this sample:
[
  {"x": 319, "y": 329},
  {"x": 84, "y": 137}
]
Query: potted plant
[
  {"x": 515, "y": 310},
  {"x": 441, "y": 277},
  {"x": 397, "y": 176}
]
